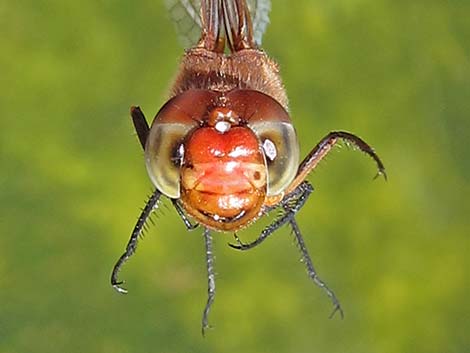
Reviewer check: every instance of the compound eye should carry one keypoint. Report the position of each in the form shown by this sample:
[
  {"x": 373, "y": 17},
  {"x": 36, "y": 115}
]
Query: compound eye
[
  {"x": 164, "y": 153},
  {"x": 281, "y": 149},
  {"x": 272, "y": 125},
  {"x": 164, "y": 150}
]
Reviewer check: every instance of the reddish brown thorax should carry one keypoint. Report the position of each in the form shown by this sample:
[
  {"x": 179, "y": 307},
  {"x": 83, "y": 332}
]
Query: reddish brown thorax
[{"x": 223, "y": 176}]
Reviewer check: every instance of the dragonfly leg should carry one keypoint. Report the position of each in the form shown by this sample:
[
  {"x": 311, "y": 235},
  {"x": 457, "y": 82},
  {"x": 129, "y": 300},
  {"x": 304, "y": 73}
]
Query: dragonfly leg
[
  {"x": 292, "y": 204},
  {"x": 183, "y": 216},
  {"x": 140, "y": 124},
  {"x": 312, "y": 274},
  {"x": 210, "y": 279},
  {"x": 325, "y": 146},
  {"x": 132, "y": 244}
]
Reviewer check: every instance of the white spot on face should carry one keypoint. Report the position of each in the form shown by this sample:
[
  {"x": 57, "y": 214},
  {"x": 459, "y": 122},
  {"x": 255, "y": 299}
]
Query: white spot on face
[
  {"x": 179, "y": 155},
  {"x": 238, "y": 152},
  {"x": 222, "y": 126},
  {"x": 181, "y": 150},
  {"x": 230, "y": 166},
  {"x": 232, "y": 202},
  {"x": 216, "y": 152},
  {"x": 269, "y": 149}
]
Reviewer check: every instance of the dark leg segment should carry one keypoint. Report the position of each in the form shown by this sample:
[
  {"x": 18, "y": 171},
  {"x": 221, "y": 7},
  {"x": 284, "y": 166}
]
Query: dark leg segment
[
  {"x": 210, "y": 279},
  {"x": 132, "y": 244},
  {"x": 329, "y": 140},
  {"x": 292, "y": 204},
  {"x": 325, "y": 146},
  {"x": 182, "y": 214},
  {"x": 311, "y": 270},
  {"x": 140, "y": 124}
]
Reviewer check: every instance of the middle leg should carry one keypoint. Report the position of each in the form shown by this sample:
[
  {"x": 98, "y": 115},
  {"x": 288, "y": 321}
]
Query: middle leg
[
  {"x": 210, "y": 279},
  {"x": 312, "y": 274}
]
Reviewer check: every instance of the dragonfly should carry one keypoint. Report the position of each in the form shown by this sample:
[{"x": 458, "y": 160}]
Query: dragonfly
[{"x": 223, "y": 148}]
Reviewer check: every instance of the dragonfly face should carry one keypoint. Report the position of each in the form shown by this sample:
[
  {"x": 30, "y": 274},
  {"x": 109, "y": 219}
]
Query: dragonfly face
[
  {"x": 222, "y": 153},
  {"x": 223, "y": 148}
]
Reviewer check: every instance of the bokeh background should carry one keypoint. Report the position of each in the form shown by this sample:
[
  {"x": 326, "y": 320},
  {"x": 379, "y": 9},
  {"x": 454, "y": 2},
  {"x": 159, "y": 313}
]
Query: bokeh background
[{"x": 72, "y": 182}]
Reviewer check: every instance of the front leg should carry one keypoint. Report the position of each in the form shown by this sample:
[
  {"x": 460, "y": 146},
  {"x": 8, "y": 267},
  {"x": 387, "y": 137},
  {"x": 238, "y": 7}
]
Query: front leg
[
  {"x": 140, "y": 124},
  {"x": 183, "y": 216},
  {"x": 132, "y": 244},
  {"x": 292, "y": 204},
  {"x": 324, "y": 147}
]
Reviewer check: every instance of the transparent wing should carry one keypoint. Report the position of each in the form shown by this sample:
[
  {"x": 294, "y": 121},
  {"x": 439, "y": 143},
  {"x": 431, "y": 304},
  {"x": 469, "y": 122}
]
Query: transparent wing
[
  {"x": 259, "y": 10},
  {"x": 185, "y": 14}
]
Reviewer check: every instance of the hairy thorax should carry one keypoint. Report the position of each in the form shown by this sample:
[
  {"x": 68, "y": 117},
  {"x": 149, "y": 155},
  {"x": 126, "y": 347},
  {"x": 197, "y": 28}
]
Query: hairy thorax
[{"x": 245, "y": 69}]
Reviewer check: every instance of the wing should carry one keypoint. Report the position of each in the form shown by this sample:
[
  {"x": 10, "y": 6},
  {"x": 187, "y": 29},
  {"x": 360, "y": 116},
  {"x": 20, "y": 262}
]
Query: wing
[
  {"x": 185, "y": 14},
  {"x": 259, "y": 10}
]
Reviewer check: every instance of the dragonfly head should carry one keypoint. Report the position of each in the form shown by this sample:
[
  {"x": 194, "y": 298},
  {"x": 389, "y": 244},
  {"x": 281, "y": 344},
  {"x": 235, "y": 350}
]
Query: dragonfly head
[{"x": 222, "y": 154}]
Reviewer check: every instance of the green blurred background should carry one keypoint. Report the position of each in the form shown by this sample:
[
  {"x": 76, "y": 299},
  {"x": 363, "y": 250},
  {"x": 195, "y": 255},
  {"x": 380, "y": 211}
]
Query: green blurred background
[{"x": 72, "y": 181}]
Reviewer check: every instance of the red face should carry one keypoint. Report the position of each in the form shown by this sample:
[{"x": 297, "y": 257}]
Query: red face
[
  {"x": 223, "y": 177},
  {"x": 222, "y": 154}
]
